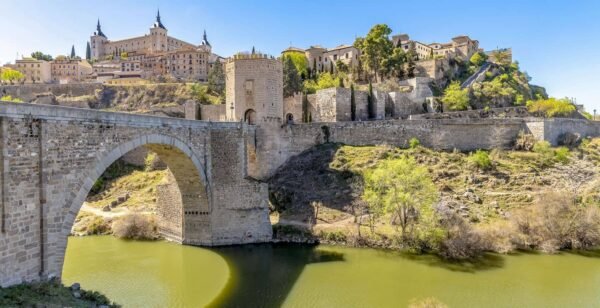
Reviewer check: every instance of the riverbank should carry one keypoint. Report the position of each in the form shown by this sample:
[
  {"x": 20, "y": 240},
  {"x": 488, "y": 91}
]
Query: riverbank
[{"x": 52, "y": 294}]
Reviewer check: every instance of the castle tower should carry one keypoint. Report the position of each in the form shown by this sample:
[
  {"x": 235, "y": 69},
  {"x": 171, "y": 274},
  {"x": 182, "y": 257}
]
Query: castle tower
[
  {"x": 97, "y": 41},
  {"x": 158, "y": 32},
  {"x": 254, "y": 89}
]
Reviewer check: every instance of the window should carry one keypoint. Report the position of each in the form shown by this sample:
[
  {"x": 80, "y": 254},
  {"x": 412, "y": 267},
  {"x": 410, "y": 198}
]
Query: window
[
  {"x": 346, "y": 55},
  {"x": 334, "y": 57}
]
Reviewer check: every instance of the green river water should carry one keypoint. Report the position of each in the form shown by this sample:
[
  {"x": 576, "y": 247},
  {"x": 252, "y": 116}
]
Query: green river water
[{"x": 162, "y": 274}]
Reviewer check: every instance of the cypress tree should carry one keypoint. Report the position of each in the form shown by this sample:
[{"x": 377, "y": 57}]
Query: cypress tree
[
  {"x": 88, "y": 52},
  {"x": 331, "y": 68},
  {"x": 73, "y": 52},
  {"x": 304, "y": 107},
  {"x": 370, "y": 103},
  {"x": 341, "y": 83},
  {"x": 352, "y": 103}
]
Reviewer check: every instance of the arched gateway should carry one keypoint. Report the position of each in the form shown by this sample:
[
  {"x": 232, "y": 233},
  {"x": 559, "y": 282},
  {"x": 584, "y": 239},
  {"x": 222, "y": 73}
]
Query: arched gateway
[{"x": 51, "y": 156}]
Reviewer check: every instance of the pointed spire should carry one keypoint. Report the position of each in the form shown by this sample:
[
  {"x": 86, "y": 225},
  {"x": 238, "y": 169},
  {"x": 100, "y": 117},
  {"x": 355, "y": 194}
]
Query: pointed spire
[
  {"x": 253, "y": 50},
  {"x": 205, "y": 39},
  {"x": 99, "y": 30},
  {"x": 158, "y": 23}
]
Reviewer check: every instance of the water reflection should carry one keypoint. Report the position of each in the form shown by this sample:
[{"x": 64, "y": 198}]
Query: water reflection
[{"x": 271, "y": 270}]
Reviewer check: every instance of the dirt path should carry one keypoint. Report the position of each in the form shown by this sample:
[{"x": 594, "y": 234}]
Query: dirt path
[{"x": 114, "y": 213}]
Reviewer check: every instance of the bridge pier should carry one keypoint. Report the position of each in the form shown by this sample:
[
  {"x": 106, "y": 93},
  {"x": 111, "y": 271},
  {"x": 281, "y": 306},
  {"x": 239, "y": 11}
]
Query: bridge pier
[{"x": 51, "y": 156}]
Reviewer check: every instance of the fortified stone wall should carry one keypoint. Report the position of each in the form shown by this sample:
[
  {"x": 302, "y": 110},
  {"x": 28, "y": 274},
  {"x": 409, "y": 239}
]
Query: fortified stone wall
[
  {"x": 552, "y": 130},
  {"x": 212, "y": 112},
  {"x": 293, "y": 105},
  {"x": 29, "y": 92}
]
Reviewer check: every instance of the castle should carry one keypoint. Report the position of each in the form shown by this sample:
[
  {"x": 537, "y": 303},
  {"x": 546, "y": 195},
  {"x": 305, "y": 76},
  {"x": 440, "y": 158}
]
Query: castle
[{"x": 153, "y": 54}]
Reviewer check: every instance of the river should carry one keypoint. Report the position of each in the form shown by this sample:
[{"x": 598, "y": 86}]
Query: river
[{"x": 162, "y": 274}]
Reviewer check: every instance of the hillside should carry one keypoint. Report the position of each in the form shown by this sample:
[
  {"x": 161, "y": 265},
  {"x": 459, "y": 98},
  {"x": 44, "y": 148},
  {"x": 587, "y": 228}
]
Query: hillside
[{"x": 329, "y": 180}]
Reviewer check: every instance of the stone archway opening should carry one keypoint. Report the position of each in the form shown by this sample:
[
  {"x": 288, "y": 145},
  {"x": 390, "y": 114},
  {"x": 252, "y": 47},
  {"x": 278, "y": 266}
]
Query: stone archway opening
[
  {"x": 182, "y": 209},
  {"x": 250, "y": 116},
  {"x": 289, "y": 118}
]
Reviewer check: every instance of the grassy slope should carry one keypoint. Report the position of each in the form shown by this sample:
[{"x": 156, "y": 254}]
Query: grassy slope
[
  {"x": 514, "y": 182},
  {"x": 139, "y": 184}
]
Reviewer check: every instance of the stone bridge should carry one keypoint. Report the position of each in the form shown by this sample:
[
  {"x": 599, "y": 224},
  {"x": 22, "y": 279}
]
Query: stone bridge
[{"x": 50, "y": 157}]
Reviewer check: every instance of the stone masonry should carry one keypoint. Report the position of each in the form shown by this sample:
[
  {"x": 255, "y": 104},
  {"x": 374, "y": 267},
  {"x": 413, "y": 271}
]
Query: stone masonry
[{"x": 51, "y": 156}]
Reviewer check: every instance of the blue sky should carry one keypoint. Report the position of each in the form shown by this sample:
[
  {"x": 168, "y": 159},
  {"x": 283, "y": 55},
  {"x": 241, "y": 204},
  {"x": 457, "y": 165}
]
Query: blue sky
[{"x": 556, "y": 42}]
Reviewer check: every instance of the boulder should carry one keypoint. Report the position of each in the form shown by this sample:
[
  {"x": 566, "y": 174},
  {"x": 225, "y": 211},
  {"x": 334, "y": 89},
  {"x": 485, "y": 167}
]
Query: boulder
[{"x": 569, "y": 139}]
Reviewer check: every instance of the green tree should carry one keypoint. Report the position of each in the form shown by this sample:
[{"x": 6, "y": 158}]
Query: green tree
[
  {"x": 402, "y": 188},
  {"x": 341, "y": 66},
  {"x": 393, "y": 66},
  {"x": 291, "y": 79},
  {"x": 478, "y": 58},
  {"x": 501, "y": 56},
  {"x": 300, "y": 62},
  {"x": 352, "y": 103},
  {"x": 375, "y": 48},
  {"x": 88, "y": 52},
  {"x": 41, "y": 56},
  {"x": 73, "y": 55},
  {"x": 10, "y": 75},
  {"x": 331, "y": 71},
  {"x": 455, "y": 98},
  {"x": 305, "y": 108},
  {"x": 371, "y": 102},
  {"x": 411, "y": 57},
  {"x": 216, "y": 79}
]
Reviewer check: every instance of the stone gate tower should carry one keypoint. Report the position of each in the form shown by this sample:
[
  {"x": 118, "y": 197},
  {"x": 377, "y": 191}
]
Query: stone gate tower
[{"x": 254, "y": 89}]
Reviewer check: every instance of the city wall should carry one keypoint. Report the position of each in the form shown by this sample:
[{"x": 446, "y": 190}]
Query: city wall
[{"x": 29, "y": 92}]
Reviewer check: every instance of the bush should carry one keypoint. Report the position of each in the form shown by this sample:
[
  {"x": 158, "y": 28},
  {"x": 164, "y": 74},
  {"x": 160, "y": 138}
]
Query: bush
[
  {"x": 525, "y": 142},
  {"x": 8, "y": 98},
  {"x": 461, "y": 242},
  {"x": 551, "y": 107},
  {"x": 562, "y": 154},
  {"x": 556, "y": 222},
  {"x": 455, "y": 98},
  {"x": 545, "y": 152},
  {"x": 481, "y": 159},
  {"x": 413, "y": 143},
  {"x": 478, "y": 59},
  {"x": 135, "y": 226}
]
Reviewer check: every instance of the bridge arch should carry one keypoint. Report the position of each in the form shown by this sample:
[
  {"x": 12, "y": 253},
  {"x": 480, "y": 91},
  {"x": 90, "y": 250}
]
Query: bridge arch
[{"x": 191, "y": 221}]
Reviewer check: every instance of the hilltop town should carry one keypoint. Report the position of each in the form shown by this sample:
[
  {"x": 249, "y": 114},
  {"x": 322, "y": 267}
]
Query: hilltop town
[{"x": 379, "y": 76}]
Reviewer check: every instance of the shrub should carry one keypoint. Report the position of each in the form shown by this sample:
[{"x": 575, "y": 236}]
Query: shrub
[
  {"x": 135, "y": 226},
  {"x": 455, "y": 98},
  {"x": 98, "y": 226},
  {"x": 478, "y": 59},
  {"x": 562, "y": 154},
  {"x": 556, "y": 222},
  {"x": 525, "y": 142},
  {"x": 545, "y": 152},
  {"x": 413, "y": 143},
  {"x": 551, "y": 107},
  {"x": 481, "y": 159},
  {"x": 8, "y": 98},
  {"x": 461, "y": 242}
]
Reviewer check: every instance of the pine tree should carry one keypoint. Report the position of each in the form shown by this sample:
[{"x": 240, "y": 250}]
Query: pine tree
[
  {"x": 352, "y": 103},
  {"x": 73, "y": 52},
  {"x": 88, "y": 52}
]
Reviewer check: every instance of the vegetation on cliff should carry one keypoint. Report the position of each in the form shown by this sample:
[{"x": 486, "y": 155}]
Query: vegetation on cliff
[{"x": 538, "y": 197}]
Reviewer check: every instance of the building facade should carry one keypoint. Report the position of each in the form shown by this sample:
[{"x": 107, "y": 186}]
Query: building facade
[
  {"x": 155, "y": 54},
  {"x": 67, "y": 70},
  {"x": 35, "y": 71},
  {"x": 460, "y": 46}
]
